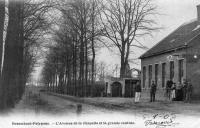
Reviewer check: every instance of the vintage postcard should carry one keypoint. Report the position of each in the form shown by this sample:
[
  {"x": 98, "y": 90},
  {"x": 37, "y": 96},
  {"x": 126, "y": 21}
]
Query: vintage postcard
[{"x": 99, "y": 63}]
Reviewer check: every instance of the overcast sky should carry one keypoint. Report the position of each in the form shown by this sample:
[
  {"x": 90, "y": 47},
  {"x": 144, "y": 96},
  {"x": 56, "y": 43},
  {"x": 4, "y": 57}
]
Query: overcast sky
[{"x": 173, "y": 14}]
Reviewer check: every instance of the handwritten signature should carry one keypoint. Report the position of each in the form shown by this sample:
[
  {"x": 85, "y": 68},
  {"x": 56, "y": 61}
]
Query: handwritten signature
[{"x": 160, "y": 120}]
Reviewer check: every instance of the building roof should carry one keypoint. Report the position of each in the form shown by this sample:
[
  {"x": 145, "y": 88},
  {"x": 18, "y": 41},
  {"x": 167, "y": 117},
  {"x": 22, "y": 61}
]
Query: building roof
[{"x": 177, "y": 39}]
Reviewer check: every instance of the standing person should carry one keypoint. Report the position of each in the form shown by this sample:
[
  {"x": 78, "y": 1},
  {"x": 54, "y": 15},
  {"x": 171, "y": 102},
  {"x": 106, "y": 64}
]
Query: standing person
[
  {"x": 185, "y": 84},
  {"x": 173, "y": 92},
  {"x": 138, "y": 91},
  {"x": 168, "y": 89},
  {"x": 179, "y": 92},
  {"x": 152, "y": 92},
  {"x": 189, "y": 91}
]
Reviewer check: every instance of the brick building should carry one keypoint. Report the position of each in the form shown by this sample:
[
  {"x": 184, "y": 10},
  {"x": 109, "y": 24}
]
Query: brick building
[{"x": 176, "y": 57}]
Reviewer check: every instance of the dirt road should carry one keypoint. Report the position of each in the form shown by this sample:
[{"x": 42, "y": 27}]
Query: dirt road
[{"x": 42, "y": 107}]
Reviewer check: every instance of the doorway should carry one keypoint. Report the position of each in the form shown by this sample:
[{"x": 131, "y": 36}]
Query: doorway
[{"x": 116, "y": 89}]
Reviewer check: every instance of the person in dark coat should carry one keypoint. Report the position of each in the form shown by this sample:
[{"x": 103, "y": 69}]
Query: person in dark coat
[
  {"x": 152, "y": 92},
  {"x": 168, "y": 89},
  {"x": 185, "y": 84},
  {"x": 179, "y": 92},
  {"x": 189, "y": 90},
  {"x": 138, "y": 91}
]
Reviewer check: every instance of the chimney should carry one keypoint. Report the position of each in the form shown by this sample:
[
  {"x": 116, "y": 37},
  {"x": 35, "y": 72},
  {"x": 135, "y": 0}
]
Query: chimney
[{"x": 198, "y": 12}]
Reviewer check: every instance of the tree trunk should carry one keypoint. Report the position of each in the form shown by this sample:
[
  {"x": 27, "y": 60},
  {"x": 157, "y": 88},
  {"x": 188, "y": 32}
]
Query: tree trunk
[
  {"x": 20, "y": 78},
  {"x": 2, "y": 19},
  {"x": 93, "y": 49},
  {"x": 74, "y": 67},
  {"x": 86, "y": 66},
  {"x": 81, "y": 58},
  {"x": 8, "y": 79},
  {"x": 122, "y": 68}
]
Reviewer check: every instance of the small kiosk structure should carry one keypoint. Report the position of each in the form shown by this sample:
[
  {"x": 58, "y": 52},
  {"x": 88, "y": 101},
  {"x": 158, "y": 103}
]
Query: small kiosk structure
[{"x": 120, "y": 87}]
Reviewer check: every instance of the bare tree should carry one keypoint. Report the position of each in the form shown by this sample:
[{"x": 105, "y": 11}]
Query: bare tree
[
  {"x": 96, "y": 32},
  {"x": 12, "y": 43},
  {"x": 80, "y": 17},
  {"x": 25, "y": 27},
  {"x": 124, "y": 21},
  {"x": 77, "y": 37},
  {"x": 101, "y": 70}
]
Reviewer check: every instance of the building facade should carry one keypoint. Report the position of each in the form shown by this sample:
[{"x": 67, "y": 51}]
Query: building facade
[
  {"x": 176, "y": 57},
  {"x": 162, "y": 68}
]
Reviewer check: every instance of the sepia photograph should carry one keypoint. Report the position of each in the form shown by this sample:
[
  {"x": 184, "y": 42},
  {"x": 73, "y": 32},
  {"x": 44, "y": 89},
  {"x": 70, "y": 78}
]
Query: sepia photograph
[{"x": 99, "y": 63}]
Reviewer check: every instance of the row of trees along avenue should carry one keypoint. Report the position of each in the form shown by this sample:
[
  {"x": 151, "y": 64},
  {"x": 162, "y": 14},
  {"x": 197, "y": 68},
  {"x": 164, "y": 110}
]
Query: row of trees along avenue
[
  {"x": 77, "y": 29},
  {"x": 83, "y": 28},
  {"x": 22, "y": 24}
]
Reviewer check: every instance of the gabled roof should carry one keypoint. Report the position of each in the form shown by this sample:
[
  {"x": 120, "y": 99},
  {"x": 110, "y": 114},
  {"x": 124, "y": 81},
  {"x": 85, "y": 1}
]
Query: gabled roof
[{"x": 177, "y": 39}]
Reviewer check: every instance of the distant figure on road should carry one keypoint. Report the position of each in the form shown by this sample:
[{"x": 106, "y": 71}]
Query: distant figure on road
[
  {"x": 137, "y": 92},
  {"x": 189, "y": 90},
  {"x": 78, "y": 109},
  {"x": 152, "y": 92}
]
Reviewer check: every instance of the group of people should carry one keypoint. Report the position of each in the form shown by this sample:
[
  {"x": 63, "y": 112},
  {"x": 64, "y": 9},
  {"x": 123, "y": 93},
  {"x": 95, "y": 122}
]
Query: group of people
[
  {"x": 175, "y": 92},
  {"x": 138, "y": 91},
  {"x": 180, "y": 91}
]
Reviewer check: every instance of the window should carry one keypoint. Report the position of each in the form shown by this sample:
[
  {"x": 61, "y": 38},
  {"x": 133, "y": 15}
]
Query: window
[
  {"x": 144, "y": 76},
  {"x": 150, "y": 75},
  {"x": 156, "y": 73},
  {"x": 163, "y": 74},
  {"x": 180, "y": 69},
  {"x": 171, "y": 70}
]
